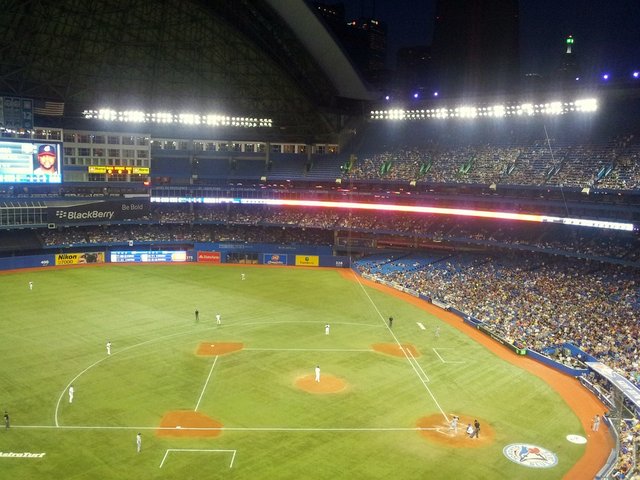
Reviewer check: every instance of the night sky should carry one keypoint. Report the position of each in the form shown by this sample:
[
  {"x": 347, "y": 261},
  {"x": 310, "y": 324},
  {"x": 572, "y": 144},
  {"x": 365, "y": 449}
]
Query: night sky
[{"x": 606, "y": 32}]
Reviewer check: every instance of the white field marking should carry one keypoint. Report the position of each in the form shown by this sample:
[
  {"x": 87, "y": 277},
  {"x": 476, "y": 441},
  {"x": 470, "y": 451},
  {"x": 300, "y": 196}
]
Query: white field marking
[
  {"x": 305, "y": 350},
  {"x": 446, "y": 361},
  {"x": 229, "y": 429},
  {"x": 71, "y": 383},
  {"x": 206, "y": 383},
  {"x": 55, "y": 416},
  {"x": 233, "y": 453},
  {"x": 422, "y": 327},
  {"x": 165, "y": 337},
  {"x": 399, "y": 344},
  {"x": 417, "y": 365}
]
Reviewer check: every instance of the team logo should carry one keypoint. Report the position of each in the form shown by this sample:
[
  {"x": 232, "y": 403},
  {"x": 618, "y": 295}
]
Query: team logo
[{"x": 530, "y": 455}]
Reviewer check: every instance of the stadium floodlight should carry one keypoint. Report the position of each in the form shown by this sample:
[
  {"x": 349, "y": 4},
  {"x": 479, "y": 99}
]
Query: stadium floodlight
[
  {"x": 189, "y": 119},
  {"x": 441, "y": 113},
  {"x": 416, "y": 95},
  {"x": 435, "y": 94},
  {"x": 163, "y": 117},
  {"x": 498, "y": 111},
  {"x": 635, "y": 74},
  {"x": 468, "y": 112},
  {"x": 133, "y": 116},
  {"x": 554, "y": 108},
  {"x": 605, "y": 76},
  {"x": 586, "y": 105},
  {"x": 107, "y": 114}
]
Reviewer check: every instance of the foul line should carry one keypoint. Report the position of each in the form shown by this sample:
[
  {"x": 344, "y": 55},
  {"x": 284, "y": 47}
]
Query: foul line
[
  {"x": 400, "y": 345},
  {"x": 206, "y": 383},
  {"x": 443, "y": 360},
  {"x": 233, "y": 455},
  {"x": 230, "y": 429},
  {"x": 414, "y": 362}
]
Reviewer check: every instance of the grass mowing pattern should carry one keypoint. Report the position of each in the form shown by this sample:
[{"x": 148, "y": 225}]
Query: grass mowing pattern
[{"x": 53, "y": 333}]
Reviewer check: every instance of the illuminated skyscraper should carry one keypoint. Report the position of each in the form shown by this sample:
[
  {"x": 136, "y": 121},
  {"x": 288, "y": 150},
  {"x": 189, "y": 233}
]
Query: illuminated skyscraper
[
  {"x": 364, "y": 39},
  {"x": 569, "y": 70}
]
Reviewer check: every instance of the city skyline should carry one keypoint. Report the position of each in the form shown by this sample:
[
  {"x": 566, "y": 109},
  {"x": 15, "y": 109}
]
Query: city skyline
[{"x": 606, "y": 34}]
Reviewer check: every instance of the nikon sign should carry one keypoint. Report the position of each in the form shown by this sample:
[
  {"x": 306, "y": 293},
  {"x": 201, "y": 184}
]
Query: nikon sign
[{"x": 98, "y": 212}]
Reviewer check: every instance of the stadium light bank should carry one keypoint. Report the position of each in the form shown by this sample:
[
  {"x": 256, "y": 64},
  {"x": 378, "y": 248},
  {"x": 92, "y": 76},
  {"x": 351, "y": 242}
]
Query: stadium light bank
[
  {"x": 169, "y": 118},
  {"x": 585, "y": 105}
]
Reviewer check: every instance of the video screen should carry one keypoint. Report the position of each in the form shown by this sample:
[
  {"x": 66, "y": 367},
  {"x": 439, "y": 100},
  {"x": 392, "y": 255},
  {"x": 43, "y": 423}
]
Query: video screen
[
  {"x": 30, "y": 161},
  {"x": 148, "y": 256}
]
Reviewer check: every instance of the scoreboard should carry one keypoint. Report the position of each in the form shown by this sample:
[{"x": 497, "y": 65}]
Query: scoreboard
[
  {"x": 20, "y": 161},
  {"x": 144, "y": 256},
  {"x": 118, "y": 170}
]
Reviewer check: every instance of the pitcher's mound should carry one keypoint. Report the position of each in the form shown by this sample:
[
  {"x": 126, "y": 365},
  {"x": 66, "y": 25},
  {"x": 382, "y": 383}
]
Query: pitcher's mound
[
  {"x": 212, "y": 348},
  {"x": 185, "y": 423},
  {"x": 395, "y": 349},
  {"x": 327, "y": 384},
  {"x": 436, "y": 429}
]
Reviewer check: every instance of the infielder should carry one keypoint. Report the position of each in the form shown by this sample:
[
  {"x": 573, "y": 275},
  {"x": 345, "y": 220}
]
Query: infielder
[
  {"x": 326, "y": 329},
  {"x": 108, "y": 347},
  {"x": 71, "y": 391},
  {"x": 218, "y": 319},
  {"x": 317, "y": 373}
]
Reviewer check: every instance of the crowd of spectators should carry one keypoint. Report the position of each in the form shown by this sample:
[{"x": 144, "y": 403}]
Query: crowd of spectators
[
  {"x": 541, "y": 302},
  {"x": 196, "y": 223},
  {"x": 614, "y": 164}
]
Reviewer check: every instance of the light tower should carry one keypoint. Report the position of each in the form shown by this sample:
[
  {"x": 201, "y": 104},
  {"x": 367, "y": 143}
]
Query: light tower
[
  {"x": 569, "y": 69},
  {"x": 569, "y": 43}
]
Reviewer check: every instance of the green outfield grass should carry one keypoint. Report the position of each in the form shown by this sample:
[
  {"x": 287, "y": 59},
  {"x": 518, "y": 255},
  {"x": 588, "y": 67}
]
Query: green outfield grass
[{"x": 55, "y": 335}]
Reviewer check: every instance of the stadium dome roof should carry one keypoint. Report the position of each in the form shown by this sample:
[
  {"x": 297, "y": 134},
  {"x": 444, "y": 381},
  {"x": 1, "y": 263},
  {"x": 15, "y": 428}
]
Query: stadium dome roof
[{"x": 259, "y": 58}]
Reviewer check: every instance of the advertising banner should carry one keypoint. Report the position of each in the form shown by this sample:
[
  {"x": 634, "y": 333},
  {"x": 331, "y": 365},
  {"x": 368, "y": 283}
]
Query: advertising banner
[
  {"x": 79, "y": 258},
  {"x": 98, "y": 212},
  {"x": 274, "y": 259},
  {"x": 307, "y": 260},
  {"x": 209, "y": 257}
]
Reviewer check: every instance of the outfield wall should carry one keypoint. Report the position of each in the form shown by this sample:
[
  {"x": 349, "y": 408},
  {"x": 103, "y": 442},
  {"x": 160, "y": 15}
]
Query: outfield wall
[{"x": 215, "y": 253}]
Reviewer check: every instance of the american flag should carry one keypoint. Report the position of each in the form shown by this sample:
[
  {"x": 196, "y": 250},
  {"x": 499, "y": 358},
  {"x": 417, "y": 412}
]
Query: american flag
[{"x": 49, "y": 109}]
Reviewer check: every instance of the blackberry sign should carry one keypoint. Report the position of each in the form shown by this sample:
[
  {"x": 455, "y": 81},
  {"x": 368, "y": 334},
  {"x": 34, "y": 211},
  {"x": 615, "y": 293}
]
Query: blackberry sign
[{"x": 98, "y": 212}]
